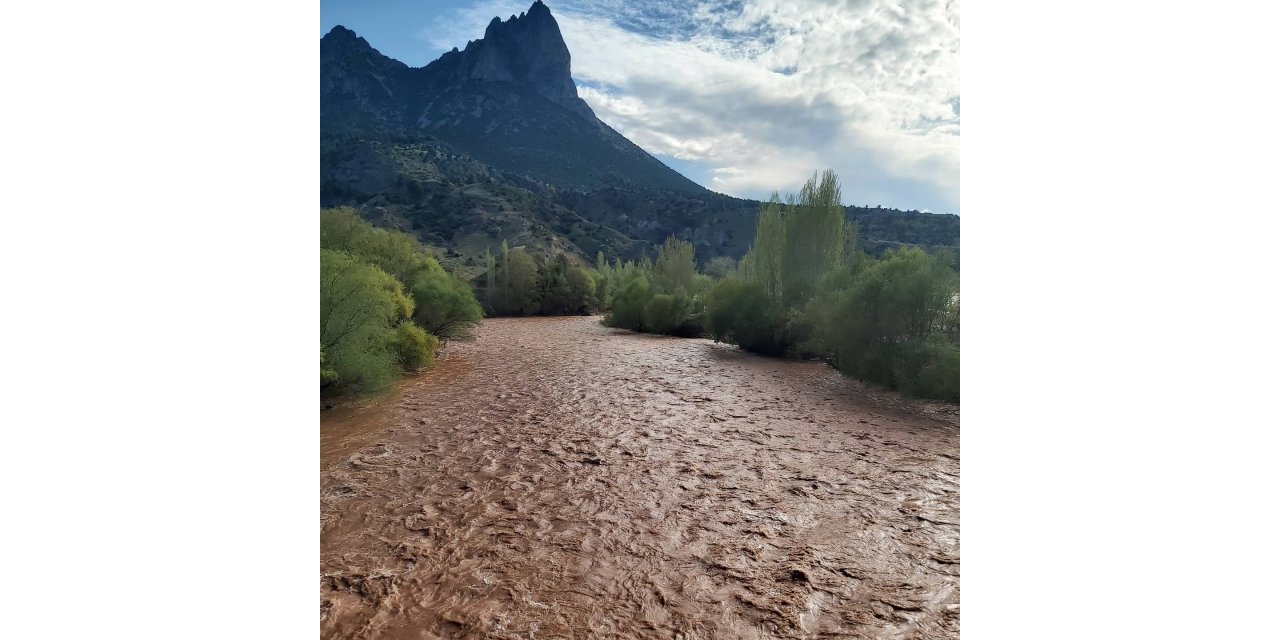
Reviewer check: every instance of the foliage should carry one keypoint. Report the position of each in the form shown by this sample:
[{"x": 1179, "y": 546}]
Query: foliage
[
  {"x": 931, "y": 368},
  {"x": 674, "y": 269},
  {"x": 327, "y": 376},
  {"x": 878, "y": 325},
  {"x": 741, "y": 312},
  {"x": 663, "y": 313},
  {"x": 395, "y": 252},
  {"x": 414, "y": 348},
  {"x": 446, "y": 306},
  {"x": 720, "y": 267},
  {"x": 369, "y": 326},
  {"x": 806, "y": 289},
  {"x": 814, "y": 240},
  {"x": 629, "y": 299},
  {"x": 582, "y": 291},
  {"x": 359, "y": 305},
  {"x": 664, "y": 296},
  {"x": 520, "y": 286},
  {"x": 517, "y": 284}
]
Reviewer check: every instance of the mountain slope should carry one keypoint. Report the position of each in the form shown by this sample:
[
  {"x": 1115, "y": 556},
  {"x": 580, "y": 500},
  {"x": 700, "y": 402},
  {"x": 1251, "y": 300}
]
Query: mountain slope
[
  {"x": 492, "y": 143},
  {"x": 507, "y": 99}
]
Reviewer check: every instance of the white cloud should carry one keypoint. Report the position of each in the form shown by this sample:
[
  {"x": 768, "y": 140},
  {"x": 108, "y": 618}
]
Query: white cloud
[{"x": 763, "y": 92}]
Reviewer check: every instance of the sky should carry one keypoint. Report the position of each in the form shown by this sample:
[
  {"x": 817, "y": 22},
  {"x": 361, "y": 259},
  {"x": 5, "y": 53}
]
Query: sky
[{"x": 745, "y": 97}]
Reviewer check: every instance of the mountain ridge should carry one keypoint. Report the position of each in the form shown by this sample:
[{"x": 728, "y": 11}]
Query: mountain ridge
[
  {"x": 507, "y": 99},
  {"x": 491, "y": 142}
]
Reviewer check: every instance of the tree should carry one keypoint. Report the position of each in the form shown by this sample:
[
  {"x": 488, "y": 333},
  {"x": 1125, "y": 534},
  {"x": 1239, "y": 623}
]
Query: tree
[
  {"x": 894, "y": 324},
  {"x": 602, "y": 280},
  {"x": 519, "y": 283},
  {"x": 720, "y": 267},
  {"x": 582, "y": 290},
  {"x": 414, "y": 348},
  {"x": 553, "y": 286},
  {"x": 814, "y": 238},
  {"x": 763, "y": 262},
  {"x": 395, "y": 252},
  {"x": 741, "y": 312},
  {"x": 359, "y": 306},
  {"x": 674, "y": 269},
  {"x": 629, "y": 299},
  {"x": 506, "y": 275},
  {"x": 446, "y": 306},
  {"x": 490, "y": 275}
]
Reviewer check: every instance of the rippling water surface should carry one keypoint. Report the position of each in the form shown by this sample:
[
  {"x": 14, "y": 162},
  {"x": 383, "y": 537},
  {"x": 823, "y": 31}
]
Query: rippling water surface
[{"x": 559, "y": 479}]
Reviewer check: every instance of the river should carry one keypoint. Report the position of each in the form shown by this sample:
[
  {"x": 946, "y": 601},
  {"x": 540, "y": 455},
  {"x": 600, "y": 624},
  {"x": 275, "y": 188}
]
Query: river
[{"x": 559, "y": 479}]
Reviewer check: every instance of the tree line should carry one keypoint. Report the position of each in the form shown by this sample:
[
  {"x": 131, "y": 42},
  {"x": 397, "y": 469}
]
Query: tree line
[
  {"x": 805, "y": 290},
  {"x": 516, "y": 285}
]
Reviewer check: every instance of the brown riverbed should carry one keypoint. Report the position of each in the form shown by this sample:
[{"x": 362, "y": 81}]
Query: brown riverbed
[{"x": 559, "y": 479}]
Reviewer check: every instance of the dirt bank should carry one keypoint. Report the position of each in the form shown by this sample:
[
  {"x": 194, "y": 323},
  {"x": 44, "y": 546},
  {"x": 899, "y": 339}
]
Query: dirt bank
[{"x": 559, "y": 479}]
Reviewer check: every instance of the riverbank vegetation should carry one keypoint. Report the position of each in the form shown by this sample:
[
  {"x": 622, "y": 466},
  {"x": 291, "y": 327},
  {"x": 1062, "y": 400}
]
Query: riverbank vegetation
[
  {"x": 516, "y": 285},
  {"x": 662, "y": 296},
  {"x": 385, "y": 304},
  {"x": 803, "y": 290}
]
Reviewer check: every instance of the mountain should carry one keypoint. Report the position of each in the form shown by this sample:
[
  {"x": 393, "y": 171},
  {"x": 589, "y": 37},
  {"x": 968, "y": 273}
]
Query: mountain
[
  {"x": 507, "y": 100},
  {"x": 492, "y": 143}
]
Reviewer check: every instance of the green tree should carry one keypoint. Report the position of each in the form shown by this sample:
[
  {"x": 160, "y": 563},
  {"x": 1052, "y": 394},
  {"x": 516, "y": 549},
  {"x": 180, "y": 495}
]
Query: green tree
[
  {"x": 413, "y": 347},
  {"x": 602, "y": 280},
  {"x": 445, "y": 305},
  {"x": 519, "y": 284},
  {"x": 720, "y": 267},
  {"x": 894, "y": 323},
  {"x": 359, "y": 306},
  {"x": 490, "y": 276},
  {"x": 629, "y": 299},
  {"x": 814, "y": 239},
  {"x": 553, "y": 286},
  {"x": 741, "y": 312},
  {"x": 674, "y": 269},
  {"x": 763, "y": 262},
  {"x": 582, "y": 290},
  {"x": 395, "y": 252}
]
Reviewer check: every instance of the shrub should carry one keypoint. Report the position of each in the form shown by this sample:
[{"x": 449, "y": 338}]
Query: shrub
[
  {"x": 629, "y": 300},
  {"x": 663, "y": 313},
  {"x": 414, "y": 348},
  {"x": 359, "y": 305},
  {"x": 741, "y": 312},
  {"x": 395, "y": 252},
  {"x": 930, "y": 369},
  {"x": 582, "y": 291},
  {"x": 327, "y": 376},
  {"x": 445, "y": 306},
  {"x": 890, "y": 324}
]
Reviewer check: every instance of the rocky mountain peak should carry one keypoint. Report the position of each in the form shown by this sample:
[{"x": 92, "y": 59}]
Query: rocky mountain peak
[{"x": 527, "y": 50}]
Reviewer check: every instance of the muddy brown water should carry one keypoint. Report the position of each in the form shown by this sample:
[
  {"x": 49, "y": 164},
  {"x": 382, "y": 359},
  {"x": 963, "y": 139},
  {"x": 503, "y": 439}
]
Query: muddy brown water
[{"x": 559, "y": 479}]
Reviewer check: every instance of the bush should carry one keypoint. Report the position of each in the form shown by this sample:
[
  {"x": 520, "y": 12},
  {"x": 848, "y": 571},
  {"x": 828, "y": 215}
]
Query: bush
[
  {"x": 395, "y": 252},
  {"x": 327, "y": 376},
  {"x": 414, "y": 348},
  {"x": 663, "y": 313},
  {"x": 629, "y": 300},
  {"x": 891, "y": 325},
  {"x": 582, "y": 291},
  {"x": 741, "y": 312},
  {"x": 934, "y": 371},
  {"x": 359, "y": 305},
  {"x": 445, "y": 306}
]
